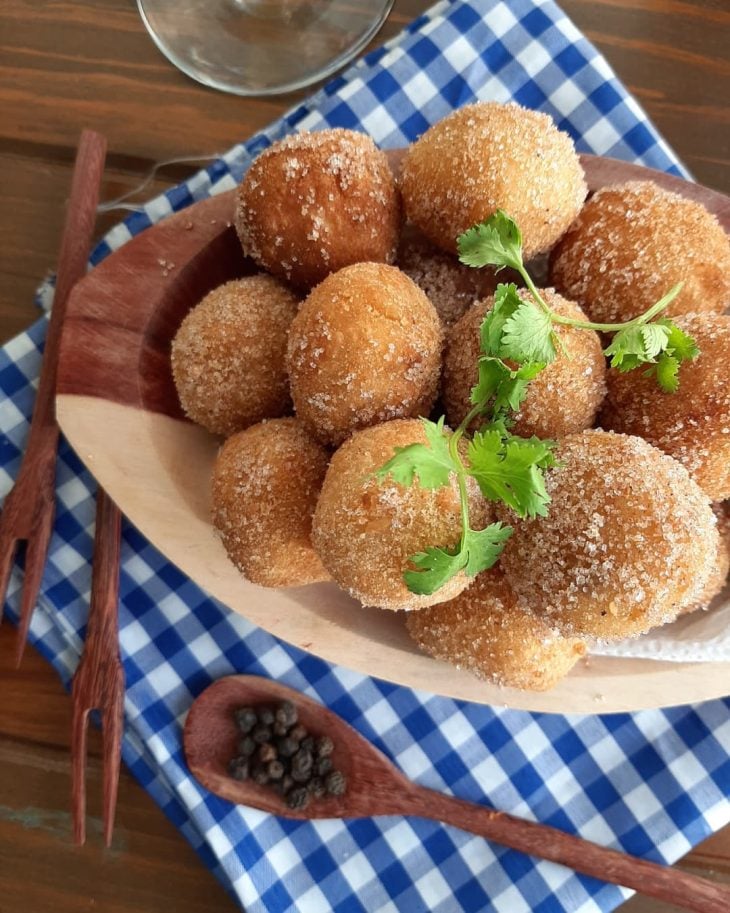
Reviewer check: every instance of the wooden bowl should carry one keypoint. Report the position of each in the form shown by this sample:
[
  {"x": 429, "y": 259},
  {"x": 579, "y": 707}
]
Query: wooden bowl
[{"x": 117, "y": 406}]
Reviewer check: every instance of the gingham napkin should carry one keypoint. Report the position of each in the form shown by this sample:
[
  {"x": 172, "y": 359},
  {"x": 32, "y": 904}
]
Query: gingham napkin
[{"x": 652, "y": 783}]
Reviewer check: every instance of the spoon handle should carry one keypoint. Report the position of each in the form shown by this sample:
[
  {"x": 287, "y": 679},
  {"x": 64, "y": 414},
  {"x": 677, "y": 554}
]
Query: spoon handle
[{"x": 545, "y": 842}]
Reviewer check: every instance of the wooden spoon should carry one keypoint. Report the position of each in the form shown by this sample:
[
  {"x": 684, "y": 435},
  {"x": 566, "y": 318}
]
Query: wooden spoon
[{"x": 377, "y": 787}]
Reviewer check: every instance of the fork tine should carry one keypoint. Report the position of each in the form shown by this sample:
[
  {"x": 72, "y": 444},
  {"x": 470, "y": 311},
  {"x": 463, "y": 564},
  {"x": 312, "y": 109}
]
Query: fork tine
[
  {"x": 79, "y": 726},
  {"x": 35, "y": 561},
  {"x": 8, "y": 548},
  {"x": 112, "y": 722}
]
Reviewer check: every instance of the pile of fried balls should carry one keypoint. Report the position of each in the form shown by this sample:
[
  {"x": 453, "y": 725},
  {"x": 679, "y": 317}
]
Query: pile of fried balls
[{"x": 362, "y": 319}]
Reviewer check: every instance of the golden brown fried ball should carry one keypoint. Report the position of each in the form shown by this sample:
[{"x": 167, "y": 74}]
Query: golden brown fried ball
[
  {"x": 489, "y": 156},
  {"x": 631, "y": 244},
  {"x": 692, "y": 424},
  {"x": 266, "y": 481},
  {"x": 629, "y": 539},
  {"x": 364, "y": 348},
  {"x": 315, "y": 202},
  {"x": 485, "y": 631},
  {"x": 721, "y": 567},
  {"x": 450, "y": 286},
  {"x": 365, "y": 530},
  {"x": 228, "y": 356},
  {"x": 563, "y": 398}
]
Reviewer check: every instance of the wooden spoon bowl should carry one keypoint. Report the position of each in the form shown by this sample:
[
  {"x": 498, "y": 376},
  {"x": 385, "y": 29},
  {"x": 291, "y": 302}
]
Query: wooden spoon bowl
[{"x": 376, "y": 787}]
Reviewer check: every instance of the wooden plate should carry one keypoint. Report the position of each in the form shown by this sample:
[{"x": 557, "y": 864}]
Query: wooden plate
[{"x": 117, "y": 406}]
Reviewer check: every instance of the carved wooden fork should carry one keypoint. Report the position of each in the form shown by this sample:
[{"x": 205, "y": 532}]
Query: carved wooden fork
[
  {"x": 29, "y": 508},
  {"x": 99, "y": 680}
]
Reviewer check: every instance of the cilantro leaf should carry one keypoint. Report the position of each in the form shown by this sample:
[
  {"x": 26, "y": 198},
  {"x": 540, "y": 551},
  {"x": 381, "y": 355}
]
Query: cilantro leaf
[
  {"x": 655, "y": 337},
  {"x": 509, "y": 469},
  {"x": 666, "y": 372},
  {"x": 478, "y": 551},
  {"x": 679, "y": 344},
  {"x": 495, "y": 242},
  {"x": 627, "y": 348},
  {"x": 679, "y": 347},
  {"x": 527, "y": 335},
  {"x": 484, "y": 546},
  {"x": 432, "y": 464},
  {"x": 506, "y": 302},
  {"x": 501, "y": 389}
]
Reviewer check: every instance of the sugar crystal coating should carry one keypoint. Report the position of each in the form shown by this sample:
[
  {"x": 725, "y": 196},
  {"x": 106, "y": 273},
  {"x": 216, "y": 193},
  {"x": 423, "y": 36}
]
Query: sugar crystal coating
[
  {"x": 486, "y": 631},
  {"x": 315, "y": 202},
  {"x": 632, "y": 243},
  {"x": 228, "y": 355},
  {"x": 364, "y": 348},
  {"x": 691, "y": 424},
  {"x": 265, "y": 486},
  {"x": 629, "y": 539},
  {"x": 719, "y": 575},
  {"x": 365, "y": 530},
  {"x": 489, "y": 156},
  {"x": 563, "y": 398}
]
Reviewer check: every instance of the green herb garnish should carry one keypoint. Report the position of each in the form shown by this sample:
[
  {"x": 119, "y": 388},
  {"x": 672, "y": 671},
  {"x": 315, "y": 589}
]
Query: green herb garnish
[{"x": 517, "y": 340}]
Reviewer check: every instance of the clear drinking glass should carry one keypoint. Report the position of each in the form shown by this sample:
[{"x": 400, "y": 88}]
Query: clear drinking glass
[{"x": 261, "y": 47}]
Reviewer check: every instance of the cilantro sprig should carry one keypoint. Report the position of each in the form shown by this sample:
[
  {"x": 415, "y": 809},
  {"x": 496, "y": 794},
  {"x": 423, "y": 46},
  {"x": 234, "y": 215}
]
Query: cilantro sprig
[{"x": 518, "y": 339}]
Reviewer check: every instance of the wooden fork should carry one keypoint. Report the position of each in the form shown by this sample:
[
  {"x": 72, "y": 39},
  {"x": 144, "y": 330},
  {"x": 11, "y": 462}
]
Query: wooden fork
[
  {"x": 29, "y": 507},
  {"x": 99, "y": 680}
]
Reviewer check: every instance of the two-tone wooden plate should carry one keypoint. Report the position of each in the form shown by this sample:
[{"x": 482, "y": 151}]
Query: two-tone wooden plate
[{"x": 118, "y": 407}]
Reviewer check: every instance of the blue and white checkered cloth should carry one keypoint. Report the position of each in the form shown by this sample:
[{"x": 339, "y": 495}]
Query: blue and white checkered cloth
[{"x": 652, "y": 783}]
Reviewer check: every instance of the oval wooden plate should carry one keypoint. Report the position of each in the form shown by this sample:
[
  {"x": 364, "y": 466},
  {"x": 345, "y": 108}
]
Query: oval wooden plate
[{"x": 117, "y": 406}]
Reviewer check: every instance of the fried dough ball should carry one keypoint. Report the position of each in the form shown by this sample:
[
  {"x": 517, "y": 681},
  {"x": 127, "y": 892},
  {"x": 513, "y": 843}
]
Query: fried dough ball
[
  {"x": 315, "y": 202},
  {"x": 486, "y": 157},
  {"x": 228, "y": 356},
  {"x": 692, "y": 424},
  {"x": 364, "y": 348},
  {"x": 450, "y": 286},
  {"x": 632, "y": 243},
  {"x": 365, "y": 530},
  {"x": 485, "y": 631},
  {"x": 266, "y": 481},
  {"x": 629, "y": 539},
  {"x": 721, "y": 567},
  {"x": 563, "y": 398}
]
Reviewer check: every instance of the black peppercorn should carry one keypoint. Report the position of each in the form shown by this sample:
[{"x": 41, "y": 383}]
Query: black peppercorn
[
  {"x": 287, "y": 746},
  {"x": 261, "y": 734},
  {"x": 266, "y": 752},
  {"x": 279, "y": 729},
  {"x": 302, "y": 762},
  {"x": 322, "y": 766},
  {"x": 308, "y": 744},
  {"x": 246, "y": 746},
  {"x": 298, "y": 797},
  {"x": 286, "y": 714},
  {"x": 245, "y": 718},
  {"x": 260, "y": 775},
  {"x": 266, "y": 716},
  {"x": 275, "y": 770},
  {"x": 335, "y": 783},
  {"x": 316, "y": 787},
  {"x": 298, "y": 732},
  {"x": 238, "y": 768},
  {"x": 324, "y": 746}
]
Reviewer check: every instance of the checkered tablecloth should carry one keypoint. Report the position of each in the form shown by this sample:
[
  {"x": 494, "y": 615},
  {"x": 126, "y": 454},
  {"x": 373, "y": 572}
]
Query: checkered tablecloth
[{"x": 652, "y": 783}]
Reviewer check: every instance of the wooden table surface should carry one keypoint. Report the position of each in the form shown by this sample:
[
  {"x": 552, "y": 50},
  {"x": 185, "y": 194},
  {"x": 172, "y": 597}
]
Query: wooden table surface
[{"x": 67, "y": 64}]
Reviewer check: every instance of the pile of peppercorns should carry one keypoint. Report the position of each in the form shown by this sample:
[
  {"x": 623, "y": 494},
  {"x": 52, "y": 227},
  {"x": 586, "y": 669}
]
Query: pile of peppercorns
[{"x": 276, "y": 750}]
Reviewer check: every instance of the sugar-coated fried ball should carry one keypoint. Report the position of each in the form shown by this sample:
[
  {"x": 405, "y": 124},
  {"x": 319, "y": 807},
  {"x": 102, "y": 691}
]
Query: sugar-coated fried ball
[
  {"x": 364, "y": 348},
  {"x": 628, "y": 542},
  {"x": 315, "y": 202},
  {"x": 487, "y": 632},
  {"x": 228, "y": 356},
  {"x": 365, "y": 530},
  {"x": 450, "y": 286},
  {"x": 718, "y": 578},
  {"x": 691, "y": 424},
  {"x": 563, "y": 398},
  {"x": 266, "y": 481},
  {"x": 632, "y": 243},
  {"x": 486, "y": 157}
]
